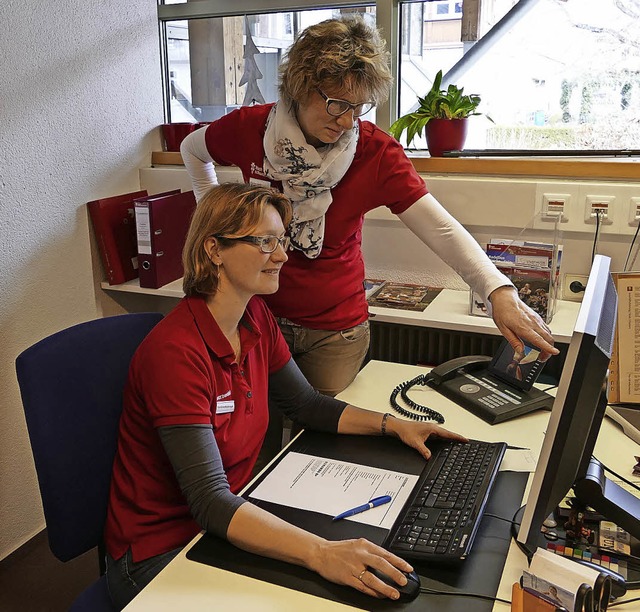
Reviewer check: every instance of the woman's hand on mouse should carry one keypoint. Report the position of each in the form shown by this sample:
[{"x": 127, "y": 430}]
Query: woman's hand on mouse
[
  {"x": 416, "y": 434},
  {"x": 347, "y": 562}
]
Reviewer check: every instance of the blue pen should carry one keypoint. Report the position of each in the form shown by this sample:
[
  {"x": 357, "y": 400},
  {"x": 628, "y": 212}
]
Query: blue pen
[{"x": 376, "y": 501}]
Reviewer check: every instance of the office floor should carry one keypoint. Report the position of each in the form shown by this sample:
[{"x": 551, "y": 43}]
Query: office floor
[{"x": 33, "y": 580}]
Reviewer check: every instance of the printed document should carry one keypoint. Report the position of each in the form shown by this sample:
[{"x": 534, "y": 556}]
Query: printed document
[{"x": 330, "y": 486}]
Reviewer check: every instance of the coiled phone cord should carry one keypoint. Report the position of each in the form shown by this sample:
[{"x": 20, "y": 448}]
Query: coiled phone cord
[{"x": 423, "y": 413}]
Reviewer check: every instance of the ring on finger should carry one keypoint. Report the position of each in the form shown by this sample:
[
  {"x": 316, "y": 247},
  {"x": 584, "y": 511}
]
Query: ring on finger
[{"x": 362, "y": 573}]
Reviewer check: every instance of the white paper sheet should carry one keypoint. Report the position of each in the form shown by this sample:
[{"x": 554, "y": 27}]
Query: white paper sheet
[
  {"x": 518, "y": 460},
  {"x": 330, "y": 487}
]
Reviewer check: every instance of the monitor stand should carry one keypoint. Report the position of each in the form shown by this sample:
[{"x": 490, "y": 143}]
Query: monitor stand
[{"x": 628, "y": 419}]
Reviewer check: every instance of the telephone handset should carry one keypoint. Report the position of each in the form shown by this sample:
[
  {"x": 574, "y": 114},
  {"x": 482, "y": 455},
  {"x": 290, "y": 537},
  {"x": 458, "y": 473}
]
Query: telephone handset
[
  {"x": 422, "y": 413},
  {"x": 449, "y": 369},
  {"x": 494, "y": 388},
  {"x": 439, "y": 374}
]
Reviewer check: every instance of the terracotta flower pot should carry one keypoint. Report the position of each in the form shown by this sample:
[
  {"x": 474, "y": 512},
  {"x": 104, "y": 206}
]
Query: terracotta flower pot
[{"x": 445, "y": 135}]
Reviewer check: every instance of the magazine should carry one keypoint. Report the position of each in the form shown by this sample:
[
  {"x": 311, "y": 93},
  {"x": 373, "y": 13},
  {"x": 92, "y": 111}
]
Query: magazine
[
  {"x": 404, "y": 296},
  {"x": 372, "y": 286},
  {"x": 534, "y": 286}
]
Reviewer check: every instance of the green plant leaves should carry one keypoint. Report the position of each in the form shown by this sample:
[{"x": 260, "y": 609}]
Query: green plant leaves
[{"x": 451, "y": 103}]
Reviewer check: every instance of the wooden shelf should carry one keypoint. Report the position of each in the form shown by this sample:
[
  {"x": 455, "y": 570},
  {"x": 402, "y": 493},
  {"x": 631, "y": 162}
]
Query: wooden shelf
[
  {"x": 449, "y": 310},
  {"x": 613, "y": 169},
  {"x": 556, "y": 168},
  {"x": 166, "y": 158}
]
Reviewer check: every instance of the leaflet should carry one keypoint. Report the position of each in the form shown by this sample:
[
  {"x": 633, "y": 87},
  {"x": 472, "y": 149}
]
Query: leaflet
[{"x": 330, "y": 486}]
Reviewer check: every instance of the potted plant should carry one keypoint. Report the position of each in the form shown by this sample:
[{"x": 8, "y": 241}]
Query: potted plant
[{"x": 444, "y": 115}]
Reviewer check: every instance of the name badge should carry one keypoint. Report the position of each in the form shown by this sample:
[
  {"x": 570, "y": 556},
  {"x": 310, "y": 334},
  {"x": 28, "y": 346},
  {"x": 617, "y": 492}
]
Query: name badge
[
  {"x": 224, "y": 407},
  {"x": 259, "y": 182}
]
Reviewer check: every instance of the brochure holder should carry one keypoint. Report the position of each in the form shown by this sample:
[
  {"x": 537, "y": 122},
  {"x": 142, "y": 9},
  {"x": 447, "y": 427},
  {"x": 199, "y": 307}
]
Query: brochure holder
[{"x": 532, "y": 266}]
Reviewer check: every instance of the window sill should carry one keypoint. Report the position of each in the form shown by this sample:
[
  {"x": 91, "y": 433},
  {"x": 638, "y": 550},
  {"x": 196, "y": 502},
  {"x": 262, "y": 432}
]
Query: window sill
[
  {"x": 552, "y": 167},
  {"x": 557, "y": 168}
]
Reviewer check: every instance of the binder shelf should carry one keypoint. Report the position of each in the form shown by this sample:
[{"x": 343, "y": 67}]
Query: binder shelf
[{"x": 449, "y": 310}]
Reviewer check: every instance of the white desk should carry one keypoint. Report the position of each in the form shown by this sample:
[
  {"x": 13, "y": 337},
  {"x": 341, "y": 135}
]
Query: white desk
[
  {"x": 189, "y": 586},
  {"x": 449, "y": 310}
]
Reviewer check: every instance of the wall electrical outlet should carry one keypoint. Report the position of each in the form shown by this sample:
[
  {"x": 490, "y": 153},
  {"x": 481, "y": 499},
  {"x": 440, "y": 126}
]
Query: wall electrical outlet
[
  {"x": 601, "y": 205},
  {"x": 555, "y": 205},
  {"x": 571, "y": 287}
]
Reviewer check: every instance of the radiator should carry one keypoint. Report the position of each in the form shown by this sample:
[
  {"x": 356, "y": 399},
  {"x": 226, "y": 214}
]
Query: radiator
[{"x": 431, "y": 346}]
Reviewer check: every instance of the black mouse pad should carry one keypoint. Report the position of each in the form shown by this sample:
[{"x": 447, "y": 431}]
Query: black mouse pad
[{"x": 480, "y": 573}]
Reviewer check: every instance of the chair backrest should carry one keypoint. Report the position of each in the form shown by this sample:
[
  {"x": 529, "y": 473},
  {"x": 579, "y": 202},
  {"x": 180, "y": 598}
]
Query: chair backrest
[{"x": 71, "y": 385}]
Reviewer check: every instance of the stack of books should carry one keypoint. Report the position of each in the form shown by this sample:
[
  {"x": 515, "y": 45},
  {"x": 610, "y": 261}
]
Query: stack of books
[{"x": 534, "y": 269}]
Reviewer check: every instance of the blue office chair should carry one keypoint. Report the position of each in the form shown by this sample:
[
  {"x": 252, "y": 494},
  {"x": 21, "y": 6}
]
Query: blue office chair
[{"x": 71, "y": 385}]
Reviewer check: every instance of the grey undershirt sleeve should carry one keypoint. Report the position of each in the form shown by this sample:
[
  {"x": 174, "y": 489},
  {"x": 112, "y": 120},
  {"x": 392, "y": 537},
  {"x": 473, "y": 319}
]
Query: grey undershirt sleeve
[
  {"x": 291, "y": 393},
  {"x": 195, "y": 457}
]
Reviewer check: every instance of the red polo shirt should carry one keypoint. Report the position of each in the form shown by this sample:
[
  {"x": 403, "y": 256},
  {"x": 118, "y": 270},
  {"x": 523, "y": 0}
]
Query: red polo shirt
[
  {"x": 184, "y": 373},
  {"x": 327, "y": 292}
]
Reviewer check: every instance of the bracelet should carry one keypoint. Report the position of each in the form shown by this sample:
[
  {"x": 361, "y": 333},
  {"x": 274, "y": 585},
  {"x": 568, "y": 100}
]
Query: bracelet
[{"x": 383, "y": 425}]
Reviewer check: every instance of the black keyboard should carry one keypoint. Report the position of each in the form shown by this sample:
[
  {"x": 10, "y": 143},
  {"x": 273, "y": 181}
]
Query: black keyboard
[{"x": 440, "y": 520}]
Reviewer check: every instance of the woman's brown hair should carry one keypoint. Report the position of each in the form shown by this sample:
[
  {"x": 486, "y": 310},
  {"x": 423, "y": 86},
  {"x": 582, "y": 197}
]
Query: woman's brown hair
[
  {"x": 232, "y": 210},
  {"x": 332, "y": 53}
]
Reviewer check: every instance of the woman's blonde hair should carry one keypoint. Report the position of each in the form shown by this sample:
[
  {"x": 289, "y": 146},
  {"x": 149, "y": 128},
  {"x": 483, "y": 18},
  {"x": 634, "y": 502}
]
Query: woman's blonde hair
[
  {"x": 232, "y": 210},
  {"x": 330, "y": 53}
]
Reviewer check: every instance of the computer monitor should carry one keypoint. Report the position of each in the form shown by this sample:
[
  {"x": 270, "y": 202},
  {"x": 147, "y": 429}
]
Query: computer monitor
[{"x": 566, "y": 457}]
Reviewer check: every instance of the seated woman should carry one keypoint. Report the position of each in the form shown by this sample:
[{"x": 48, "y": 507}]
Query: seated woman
[{"x": 196, "y": 411}]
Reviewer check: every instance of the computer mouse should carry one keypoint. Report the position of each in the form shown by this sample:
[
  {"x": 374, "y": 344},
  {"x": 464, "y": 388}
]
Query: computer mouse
[{"x": 408, "y": 592}]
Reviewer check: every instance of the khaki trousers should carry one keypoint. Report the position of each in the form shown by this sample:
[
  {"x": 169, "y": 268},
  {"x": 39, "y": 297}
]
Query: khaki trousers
[{"x": 330, "y": 360}]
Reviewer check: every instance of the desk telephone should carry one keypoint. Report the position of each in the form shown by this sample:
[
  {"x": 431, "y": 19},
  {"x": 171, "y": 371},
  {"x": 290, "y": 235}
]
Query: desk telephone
[{"x": 494, "y": 388}]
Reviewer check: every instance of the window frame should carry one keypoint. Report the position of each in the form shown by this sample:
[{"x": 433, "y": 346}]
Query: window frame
[{"x": 387, "y": 19}]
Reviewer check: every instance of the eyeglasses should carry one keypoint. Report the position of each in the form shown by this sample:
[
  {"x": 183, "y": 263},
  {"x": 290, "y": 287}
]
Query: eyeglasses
[
  {"x": 266, "y": 244},
  {"x": 336, "y": 107}
]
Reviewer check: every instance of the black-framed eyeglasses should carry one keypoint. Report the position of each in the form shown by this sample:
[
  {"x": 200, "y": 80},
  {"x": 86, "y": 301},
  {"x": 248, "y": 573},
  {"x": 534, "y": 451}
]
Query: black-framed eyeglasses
[
  {"x": 336, "y": 107},
  {"x": 266, "y": 244}
]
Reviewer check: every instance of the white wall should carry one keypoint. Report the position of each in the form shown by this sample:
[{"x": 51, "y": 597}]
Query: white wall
[
  {"x": 80, "y": 105},
  {"x": 499, "y": 207},
  {"x": 502, "y": 207}
]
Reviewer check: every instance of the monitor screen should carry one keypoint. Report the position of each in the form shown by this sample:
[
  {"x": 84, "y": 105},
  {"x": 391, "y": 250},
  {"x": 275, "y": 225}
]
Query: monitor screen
[{"x": 565, "y": 459}]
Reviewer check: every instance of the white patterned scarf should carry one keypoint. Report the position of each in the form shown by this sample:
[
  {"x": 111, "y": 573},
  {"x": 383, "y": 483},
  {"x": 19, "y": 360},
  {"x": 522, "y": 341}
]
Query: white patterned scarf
[{"x": 307, "y": 174}]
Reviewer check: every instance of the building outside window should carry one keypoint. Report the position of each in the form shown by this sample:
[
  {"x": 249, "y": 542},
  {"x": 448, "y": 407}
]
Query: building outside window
[{"x": 552, "y": 74}]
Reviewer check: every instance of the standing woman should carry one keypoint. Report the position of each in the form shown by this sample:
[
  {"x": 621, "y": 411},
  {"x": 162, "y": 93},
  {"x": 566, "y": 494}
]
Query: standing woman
[
  {"x": 335, "y": 168},
  {"x": 195, "y": 412}
]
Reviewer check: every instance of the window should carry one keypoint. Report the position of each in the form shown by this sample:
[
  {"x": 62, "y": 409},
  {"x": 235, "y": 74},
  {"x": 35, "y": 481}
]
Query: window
[
  {"x": 443, "y": 9},
  {"x": 220, "y": 63},
  {"x": 552, "y": 74}
]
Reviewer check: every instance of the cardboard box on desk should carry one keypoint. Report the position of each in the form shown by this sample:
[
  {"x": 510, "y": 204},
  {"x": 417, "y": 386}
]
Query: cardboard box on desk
[
  {"x": 624, "y": 370},
  {"x": 162, "y": 223}
]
